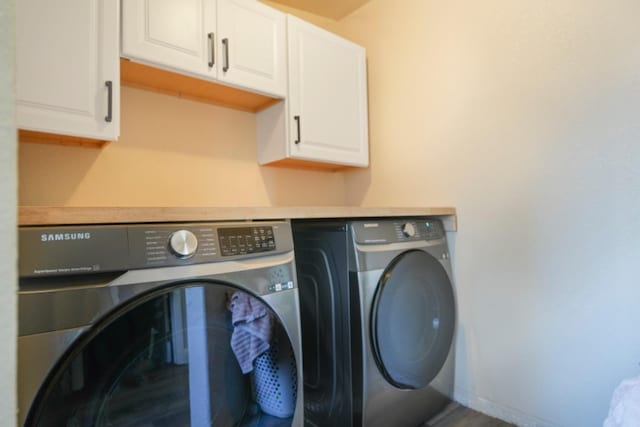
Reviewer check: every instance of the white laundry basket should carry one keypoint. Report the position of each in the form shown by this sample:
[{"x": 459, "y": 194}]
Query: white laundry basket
[
  {"x": 275, "y": 379},
  {"x": 624, "y": 409}
]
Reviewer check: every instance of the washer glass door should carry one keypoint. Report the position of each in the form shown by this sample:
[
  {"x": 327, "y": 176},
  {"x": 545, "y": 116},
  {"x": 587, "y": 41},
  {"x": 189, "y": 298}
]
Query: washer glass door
[
  {"x": 412, "y": 320},
  {"x": 168, "y": 358}
]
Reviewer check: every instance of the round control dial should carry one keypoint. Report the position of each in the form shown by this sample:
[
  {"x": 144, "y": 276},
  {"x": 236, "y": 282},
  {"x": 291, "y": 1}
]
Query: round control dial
[
  {"x": 183, "y": 243},
  {"x": 408, "y": 229}
]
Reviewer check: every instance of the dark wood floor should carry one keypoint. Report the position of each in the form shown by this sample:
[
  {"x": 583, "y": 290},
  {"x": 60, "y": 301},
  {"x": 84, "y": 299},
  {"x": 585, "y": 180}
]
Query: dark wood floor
[{"x": 456, "y": 415}]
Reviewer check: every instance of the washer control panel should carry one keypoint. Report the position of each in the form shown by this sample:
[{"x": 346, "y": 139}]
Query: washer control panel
[
  {"x": 246, "y": 240},
  {"x": 180, "y": 244},
  {"x": 167, "y": 245},
  {"x": 70, "y": 250}
]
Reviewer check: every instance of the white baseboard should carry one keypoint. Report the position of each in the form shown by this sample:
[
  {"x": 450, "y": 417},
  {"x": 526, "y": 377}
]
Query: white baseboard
[{"x": 496, "y": 410}]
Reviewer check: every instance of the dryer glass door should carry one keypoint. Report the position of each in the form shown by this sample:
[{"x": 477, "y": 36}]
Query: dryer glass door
[
  {"x": 170, "y": 358},
  {"x": 412, "y": 320}
]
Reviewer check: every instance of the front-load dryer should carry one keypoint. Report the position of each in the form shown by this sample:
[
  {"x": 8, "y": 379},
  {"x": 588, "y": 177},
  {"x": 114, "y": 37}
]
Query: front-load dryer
[
  {"x": 159, "y": 324},
  {"x": 400, "y": 319},
  {"x": 405, "y": 313}
]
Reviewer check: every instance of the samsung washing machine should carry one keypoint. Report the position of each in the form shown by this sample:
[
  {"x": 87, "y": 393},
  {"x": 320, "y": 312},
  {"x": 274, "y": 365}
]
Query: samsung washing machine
[
  {"x": 159, "y": 325},
  {"x": 378, "y": 294}
]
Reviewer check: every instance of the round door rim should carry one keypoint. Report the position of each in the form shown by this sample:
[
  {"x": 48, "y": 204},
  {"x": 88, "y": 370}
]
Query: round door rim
[{"x": 76, "y": 347}]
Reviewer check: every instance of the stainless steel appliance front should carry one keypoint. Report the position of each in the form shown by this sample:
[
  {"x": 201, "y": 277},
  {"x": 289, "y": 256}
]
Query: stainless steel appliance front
[{"x": 127, "y": 325}]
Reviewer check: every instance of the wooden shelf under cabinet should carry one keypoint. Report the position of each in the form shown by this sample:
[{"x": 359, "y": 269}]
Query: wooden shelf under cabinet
[
  {"x": 52, "y": 138},
  {"x": 142, "y": 76}
]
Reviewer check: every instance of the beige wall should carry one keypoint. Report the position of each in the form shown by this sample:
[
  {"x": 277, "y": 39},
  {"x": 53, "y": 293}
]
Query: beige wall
[
  {"x": 523, "y": 115},
  {"x": 171, "y": 152}
]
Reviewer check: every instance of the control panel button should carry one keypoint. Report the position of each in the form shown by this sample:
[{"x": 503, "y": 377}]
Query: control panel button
[
  {"x": 408, "y": 229},
  {"x": 183, "y": 243}
]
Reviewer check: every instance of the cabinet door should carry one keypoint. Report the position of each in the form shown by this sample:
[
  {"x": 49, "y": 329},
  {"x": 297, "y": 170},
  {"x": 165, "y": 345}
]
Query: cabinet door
[
  {"x": 327, "y": 96},
  {"x": 178, "y": 35},
  {"x": 252, "y": 46},
  {"x": 66, "y": 52}
]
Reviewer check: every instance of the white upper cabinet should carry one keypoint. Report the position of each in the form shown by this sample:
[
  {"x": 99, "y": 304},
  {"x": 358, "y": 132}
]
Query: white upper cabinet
[
  {"x": 178, "y": 35},
  {"x": 252, "y": 43},
  {"x": 67, "y": 67},
  {"x": 238, "y": 42},
  {"x": 325, "y": 116},
  {"x": 327, "y": 96}
]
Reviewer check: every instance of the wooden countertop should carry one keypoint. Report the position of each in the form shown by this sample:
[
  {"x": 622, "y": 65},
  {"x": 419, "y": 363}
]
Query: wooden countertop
[{"x": 44, "y": 215}]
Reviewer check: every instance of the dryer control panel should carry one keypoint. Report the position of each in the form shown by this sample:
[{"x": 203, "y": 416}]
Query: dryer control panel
[{"x": 395, "y": 230}]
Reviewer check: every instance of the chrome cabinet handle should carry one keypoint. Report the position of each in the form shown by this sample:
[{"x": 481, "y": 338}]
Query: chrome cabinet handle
[
  {"x": 297, "y": 119},
  {"x": 109, "y": 115},
  {"x": 225, "y": 43},
  {"x": 212, "y": 50}
]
